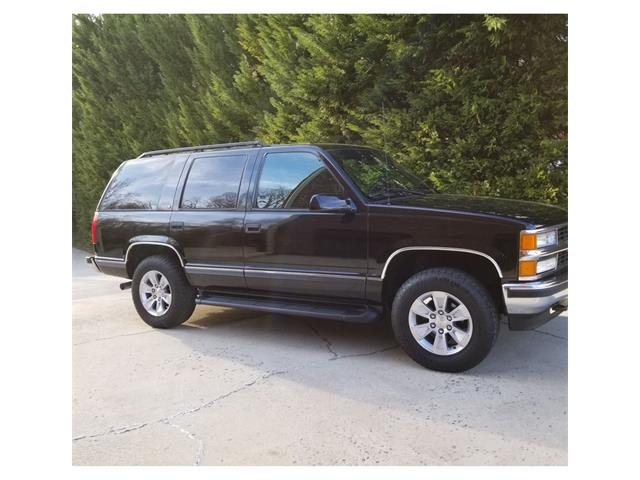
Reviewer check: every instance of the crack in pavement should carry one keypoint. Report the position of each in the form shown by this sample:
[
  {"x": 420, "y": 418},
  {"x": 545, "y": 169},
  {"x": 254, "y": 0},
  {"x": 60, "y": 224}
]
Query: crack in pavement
[
  {"x": 550, "y": 334},
  {"x": 191, "y": 436},
  {"x": 365, "y": 354},
  {"x": 338, "y": 356},
  {"x": 224, "y": 395},
  {"x": 327, "y": 343},
  {"x": 113, "y": 431},
  {"x": 115, "y": 336},
  {"x": 167, "y": 420}
]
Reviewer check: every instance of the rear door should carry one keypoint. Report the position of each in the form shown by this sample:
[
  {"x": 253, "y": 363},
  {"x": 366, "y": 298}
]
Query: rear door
[
  {"x": 208, "y": 217},
  {"x": 290, "y": 249}
]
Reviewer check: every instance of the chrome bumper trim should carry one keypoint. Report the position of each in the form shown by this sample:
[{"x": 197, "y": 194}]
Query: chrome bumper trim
[
  {"x": 535, "y": 297},
  {"x": 92, "y": 261}
]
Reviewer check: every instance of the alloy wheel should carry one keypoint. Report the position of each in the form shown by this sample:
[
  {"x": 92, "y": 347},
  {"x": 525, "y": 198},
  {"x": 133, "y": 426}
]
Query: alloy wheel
[
  {"x": 440, "y": 323},
  {"x": 155, "y": 293}
]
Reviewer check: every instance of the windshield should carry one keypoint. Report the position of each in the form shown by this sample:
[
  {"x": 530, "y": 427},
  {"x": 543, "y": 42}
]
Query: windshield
[{"x": 376, "y": 175}]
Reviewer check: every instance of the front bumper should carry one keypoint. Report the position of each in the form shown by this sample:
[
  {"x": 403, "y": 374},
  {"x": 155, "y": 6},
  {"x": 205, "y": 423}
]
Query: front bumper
[{"x": 530, "y": 304}]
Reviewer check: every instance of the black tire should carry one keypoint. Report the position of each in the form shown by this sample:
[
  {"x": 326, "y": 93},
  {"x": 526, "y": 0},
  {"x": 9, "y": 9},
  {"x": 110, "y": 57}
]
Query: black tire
[
  {"x": 182, "y": 293},
  {"x": 469, "y": 291}
]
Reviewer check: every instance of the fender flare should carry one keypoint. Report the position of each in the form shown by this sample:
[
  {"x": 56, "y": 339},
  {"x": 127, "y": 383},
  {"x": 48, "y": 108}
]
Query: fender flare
[
  {"x": 446, "y": 249},
  {"x": 160, "y": 240}
]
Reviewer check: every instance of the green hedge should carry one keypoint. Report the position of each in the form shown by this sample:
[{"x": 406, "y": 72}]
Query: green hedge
[{"x": 477, "y": 103}]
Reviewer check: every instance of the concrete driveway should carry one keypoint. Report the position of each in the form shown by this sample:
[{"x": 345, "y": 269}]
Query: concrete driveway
[{"x": 234, "y": 387}]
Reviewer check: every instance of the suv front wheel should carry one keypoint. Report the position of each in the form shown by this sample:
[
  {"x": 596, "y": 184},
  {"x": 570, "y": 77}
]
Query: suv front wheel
[
  {"x": 445, "y": 319},
  {"x": 161, "y": 293}
]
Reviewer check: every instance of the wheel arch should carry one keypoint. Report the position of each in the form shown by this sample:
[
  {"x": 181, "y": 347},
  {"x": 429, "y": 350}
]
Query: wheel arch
[
  {"x": 406, "y": 262},
  {"x": 140, "y": 248}
]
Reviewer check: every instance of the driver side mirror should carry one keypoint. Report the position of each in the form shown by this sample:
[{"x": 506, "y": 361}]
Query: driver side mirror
[{"x": 331, "y": 204}]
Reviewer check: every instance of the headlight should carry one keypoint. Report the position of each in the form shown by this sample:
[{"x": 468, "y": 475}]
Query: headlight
[
  {"x": 537, "y": 253},
  {"x": 531, "y": 241}
]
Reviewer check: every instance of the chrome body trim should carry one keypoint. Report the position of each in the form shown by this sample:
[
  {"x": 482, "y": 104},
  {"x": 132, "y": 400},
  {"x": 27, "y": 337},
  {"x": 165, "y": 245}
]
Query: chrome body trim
[
  {"x": 249, "y": 271},
  {"x": 540, "y": 253},
  {"x": 212, "y": 268},
  {"x": 546, "y": 229},
  {"x": 306, "y": 274},
  {"x": 446, "y": 249},
  {"x": 108, "y": 259},
  {"x": 126, "y": 256},
  {"x": 532, "y": 303},
  {"x": 92, "y": 261}
]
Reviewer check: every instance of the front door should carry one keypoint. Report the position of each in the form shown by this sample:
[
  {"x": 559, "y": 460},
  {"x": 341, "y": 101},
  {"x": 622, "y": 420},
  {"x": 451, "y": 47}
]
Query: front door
[{"x": 290, "y": 249}]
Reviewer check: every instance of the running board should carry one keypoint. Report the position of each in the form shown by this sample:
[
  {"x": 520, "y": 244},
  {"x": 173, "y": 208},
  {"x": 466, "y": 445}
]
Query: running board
[{"x": 344, "y": 313}]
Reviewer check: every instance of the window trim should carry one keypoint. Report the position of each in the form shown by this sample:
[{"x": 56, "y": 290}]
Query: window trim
[
  {"x": 252, "y": 206},
  {"x": 183, "y": 187}
]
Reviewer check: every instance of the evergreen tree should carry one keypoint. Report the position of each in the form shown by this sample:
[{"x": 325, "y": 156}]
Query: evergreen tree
[{"x": 476, "y": 103}]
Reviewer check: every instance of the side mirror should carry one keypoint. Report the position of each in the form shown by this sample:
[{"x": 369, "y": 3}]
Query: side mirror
[{"x": 331, "y": 204}]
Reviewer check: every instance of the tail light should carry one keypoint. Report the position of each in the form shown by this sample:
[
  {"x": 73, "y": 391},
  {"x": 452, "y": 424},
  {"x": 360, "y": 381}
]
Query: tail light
[{"x": 94, "y": 224}]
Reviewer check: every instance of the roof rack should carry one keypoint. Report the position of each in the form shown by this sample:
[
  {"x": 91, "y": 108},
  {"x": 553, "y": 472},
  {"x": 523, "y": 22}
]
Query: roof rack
[{"x": 200, "y": 148}]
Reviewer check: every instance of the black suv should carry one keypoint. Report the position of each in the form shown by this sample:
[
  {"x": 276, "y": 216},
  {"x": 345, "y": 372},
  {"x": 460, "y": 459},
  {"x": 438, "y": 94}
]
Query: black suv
[{"x": 329, "y": 231}]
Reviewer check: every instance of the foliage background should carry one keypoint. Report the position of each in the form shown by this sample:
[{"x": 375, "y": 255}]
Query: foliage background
[{"x": 476, "y": 103}]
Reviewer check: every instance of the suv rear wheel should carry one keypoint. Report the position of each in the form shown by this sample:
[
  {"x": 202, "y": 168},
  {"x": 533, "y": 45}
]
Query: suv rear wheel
[
  {"x": 161, "y": 293},
  {"x": 445, "y": 319}
]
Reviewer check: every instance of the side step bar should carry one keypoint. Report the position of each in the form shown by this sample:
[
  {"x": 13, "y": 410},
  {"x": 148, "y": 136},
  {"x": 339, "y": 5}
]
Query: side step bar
[{"x": 344, "y": 313}]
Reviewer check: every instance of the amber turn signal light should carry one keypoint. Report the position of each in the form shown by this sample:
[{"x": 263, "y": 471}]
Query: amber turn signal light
[
  {"x": 527, "y": 268},
  {"x": 528, "y": 241}
]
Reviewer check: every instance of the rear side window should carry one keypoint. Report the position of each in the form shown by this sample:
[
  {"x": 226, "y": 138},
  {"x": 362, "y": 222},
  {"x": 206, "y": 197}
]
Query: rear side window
[
  {"x": 137, "y": 185},
  {"x": 213, "y": 182}
]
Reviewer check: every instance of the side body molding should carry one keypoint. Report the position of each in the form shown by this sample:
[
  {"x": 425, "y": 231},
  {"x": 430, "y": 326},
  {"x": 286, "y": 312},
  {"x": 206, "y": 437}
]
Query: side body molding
[{"x": 446, "y": 249}]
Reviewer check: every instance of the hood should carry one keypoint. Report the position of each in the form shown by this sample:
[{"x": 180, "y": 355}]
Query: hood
[{"x": 537, "y": 214}]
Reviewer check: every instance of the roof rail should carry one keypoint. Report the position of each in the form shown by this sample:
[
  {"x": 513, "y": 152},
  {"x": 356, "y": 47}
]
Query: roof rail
[{"x": 200, "y": 148}]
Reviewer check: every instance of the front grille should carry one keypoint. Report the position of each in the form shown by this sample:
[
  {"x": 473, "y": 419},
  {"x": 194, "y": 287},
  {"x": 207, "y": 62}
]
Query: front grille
[
  {"x": 563, "y": 234},
  {"x": 563, "y": 261}
]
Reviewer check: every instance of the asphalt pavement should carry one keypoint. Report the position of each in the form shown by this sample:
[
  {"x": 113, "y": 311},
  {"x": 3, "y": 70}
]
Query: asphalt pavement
[{"x": 235, "y": 387}]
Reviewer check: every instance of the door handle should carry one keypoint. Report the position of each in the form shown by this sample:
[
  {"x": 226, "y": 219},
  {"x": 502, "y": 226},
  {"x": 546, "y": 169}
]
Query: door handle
[
  {"x": 176, "y": 225},
  {"x": 252, "y": 228}
]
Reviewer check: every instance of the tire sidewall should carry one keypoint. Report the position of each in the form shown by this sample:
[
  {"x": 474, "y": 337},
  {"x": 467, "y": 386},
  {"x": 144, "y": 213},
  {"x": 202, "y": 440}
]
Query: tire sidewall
[
  {"x": 474, "y": 297},
  {"x": 182, "y": 296}
]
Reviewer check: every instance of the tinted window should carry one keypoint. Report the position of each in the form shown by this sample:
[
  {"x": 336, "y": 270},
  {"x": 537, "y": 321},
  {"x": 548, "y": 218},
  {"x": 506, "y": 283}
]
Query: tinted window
[
  {"x": 289, "y": 180},
  {"x": 213, "y": 182},
  {"x": 137, "y": 185},
  {"x": 376, "y": 175}
]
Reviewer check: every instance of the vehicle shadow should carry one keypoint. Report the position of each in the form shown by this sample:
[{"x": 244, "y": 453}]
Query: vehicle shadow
[{"x": 279, "y": 341}]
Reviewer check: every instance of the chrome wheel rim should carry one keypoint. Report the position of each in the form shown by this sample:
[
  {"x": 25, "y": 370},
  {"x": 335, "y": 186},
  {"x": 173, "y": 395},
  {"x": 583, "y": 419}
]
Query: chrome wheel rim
[
  {"x": 440, "y": 323},
  {"x": 155, "y": 293}
]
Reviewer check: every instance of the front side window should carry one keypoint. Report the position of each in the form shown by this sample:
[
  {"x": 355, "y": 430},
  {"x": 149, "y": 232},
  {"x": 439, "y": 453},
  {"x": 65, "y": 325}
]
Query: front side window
[
  {"x": 137, "y": 185},
  {"x": 289, "y": 180},
  {"x": 213, "y": 182}
]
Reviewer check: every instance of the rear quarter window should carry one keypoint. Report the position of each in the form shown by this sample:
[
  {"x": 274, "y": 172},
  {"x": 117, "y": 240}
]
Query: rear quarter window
[{"x": 137, "y": 185}]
